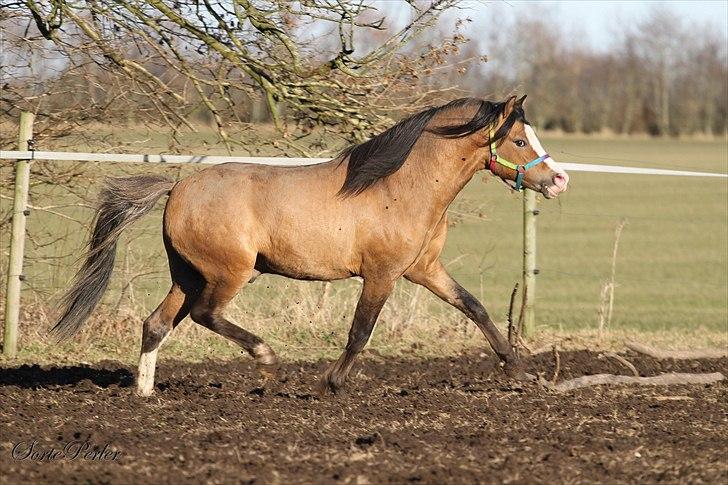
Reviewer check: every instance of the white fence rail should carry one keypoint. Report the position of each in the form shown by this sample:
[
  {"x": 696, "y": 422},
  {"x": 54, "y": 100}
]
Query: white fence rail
[
  {"x": 20, "y": 212},
  {"x": 286, "y": 161},
  {"x": 149, "y": 158}
]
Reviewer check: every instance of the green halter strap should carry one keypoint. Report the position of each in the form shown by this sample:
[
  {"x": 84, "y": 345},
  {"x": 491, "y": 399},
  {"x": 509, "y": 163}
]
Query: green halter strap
[{"x": 520, "y": 169}]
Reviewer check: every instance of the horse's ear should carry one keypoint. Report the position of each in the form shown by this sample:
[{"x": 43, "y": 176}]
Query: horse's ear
[
  {"x": 520, "y": 100},
  {"x": 510, "y": 104}
]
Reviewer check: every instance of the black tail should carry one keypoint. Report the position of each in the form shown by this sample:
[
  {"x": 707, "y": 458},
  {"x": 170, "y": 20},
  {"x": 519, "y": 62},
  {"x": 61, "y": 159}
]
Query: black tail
[{"x": 122, "y": 201}]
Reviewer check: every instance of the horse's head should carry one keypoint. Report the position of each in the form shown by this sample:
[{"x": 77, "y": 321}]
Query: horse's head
[{"x": 517, "y": 157}]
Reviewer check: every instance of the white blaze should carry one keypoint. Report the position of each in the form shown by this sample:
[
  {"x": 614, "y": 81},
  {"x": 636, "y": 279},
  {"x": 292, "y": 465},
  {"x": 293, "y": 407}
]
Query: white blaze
[{"x": 536, "y": 145}]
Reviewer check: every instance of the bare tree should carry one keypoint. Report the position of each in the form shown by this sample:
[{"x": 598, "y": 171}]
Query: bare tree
[{"x": 340, "y": 65}]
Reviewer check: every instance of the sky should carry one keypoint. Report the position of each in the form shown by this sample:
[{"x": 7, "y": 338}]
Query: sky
[{"x": 599, "y": 19}]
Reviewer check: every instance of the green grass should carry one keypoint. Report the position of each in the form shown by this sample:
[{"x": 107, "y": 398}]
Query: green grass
[{"x": 672, "y": 266}]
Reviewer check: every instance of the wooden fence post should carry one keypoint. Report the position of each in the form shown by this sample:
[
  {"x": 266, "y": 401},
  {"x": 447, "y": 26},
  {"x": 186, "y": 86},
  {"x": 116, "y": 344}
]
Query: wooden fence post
[
  {"x": 17, "y": 239},
  {"x": 529, "y": 262}
]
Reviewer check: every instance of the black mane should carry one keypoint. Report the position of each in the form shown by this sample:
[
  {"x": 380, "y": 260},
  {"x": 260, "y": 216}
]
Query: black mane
[{"x": 384, "y": 154}]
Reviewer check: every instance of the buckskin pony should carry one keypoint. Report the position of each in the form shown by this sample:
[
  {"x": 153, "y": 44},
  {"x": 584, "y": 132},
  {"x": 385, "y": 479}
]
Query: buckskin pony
[{"x": 377, "y": 211}]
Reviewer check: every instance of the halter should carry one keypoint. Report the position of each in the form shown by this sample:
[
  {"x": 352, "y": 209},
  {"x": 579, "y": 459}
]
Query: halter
[{"x": 520, "y": 169}]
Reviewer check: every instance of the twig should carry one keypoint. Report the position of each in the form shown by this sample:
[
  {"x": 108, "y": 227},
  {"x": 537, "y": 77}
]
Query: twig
[
  {"x": 521, "y": 315},
  {"x": 557, "y": 358},
  {"x": 622, "y": 361},
  {"x": 512, "y": 331},
  {"x": 612, "y": 282},
  {"x": 676, "y": 354},
  {"x": 606, "y": 307},
  {"x": 522, "y": 343},
  {"x": 607, "y": 289},
  {"x": 606, "y": 379}
]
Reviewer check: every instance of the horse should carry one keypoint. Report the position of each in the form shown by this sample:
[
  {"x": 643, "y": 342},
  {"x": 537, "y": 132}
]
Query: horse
[{"x": 377, "y": 211}]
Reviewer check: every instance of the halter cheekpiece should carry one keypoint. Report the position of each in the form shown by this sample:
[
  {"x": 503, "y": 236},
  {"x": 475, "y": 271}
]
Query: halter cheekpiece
[{"x": 520, "y": 169}]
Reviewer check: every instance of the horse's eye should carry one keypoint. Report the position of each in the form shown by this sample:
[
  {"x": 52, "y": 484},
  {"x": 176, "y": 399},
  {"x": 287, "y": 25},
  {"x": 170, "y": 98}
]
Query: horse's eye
[{"x": 520, "y": 143}]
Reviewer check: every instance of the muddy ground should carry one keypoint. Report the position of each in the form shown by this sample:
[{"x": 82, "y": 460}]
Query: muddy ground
[{"x": 457, "y": 420}]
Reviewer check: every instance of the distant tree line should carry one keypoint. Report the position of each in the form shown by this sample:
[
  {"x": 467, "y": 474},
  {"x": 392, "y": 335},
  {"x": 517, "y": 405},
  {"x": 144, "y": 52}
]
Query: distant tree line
[{"x": 662, "y": 75}]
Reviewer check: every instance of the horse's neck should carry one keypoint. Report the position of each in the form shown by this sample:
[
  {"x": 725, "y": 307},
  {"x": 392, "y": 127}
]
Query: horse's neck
[{"x": 434, "y": 174}]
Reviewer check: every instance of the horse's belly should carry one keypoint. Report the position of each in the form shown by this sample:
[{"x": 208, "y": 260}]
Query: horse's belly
[
  {"x": 301, "y": 268},
  {"x": 307, "y": 258}
]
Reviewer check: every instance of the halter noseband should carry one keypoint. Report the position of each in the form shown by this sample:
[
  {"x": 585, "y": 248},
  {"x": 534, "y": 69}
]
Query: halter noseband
[{"x": 520, "y": 169}]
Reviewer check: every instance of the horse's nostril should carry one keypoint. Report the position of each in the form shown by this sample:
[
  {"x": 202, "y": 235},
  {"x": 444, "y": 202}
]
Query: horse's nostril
[{"x": 560, "y": 180}]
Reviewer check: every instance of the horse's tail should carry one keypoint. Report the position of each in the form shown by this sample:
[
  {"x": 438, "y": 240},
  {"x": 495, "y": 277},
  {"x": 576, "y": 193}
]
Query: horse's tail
[{"x": 122, "y": 201}]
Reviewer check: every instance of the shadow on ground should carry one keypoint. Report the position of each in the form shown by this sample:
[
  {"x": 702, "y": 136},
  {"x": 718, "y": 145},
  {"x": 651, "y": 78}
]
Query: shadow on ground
[{"x": 37, "y": 377}]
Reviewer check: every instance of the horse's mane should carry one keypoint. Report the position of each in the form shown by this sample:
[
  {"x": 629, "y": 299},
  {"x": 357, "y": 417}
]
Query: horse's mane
[{"x": 385, "y": 153}]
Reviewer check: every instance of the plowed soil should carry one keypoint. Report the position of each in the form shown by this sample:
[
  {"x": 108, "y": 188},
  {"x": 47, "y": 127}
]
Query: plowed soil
[{"x": 457, "y": 420}]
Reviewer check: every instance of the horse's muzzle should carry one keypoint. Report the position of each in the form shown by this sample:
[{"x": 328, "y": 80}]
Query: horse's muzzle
[{"x": 559, "y": 184}]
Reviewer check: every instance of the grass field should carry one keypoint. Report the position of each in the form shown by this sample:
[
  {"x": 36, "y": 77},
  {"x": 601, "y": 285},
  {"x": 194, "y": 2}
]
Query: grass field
[
  {"x": 671, "y": 273},
  {"x": 672, "y": 265}
]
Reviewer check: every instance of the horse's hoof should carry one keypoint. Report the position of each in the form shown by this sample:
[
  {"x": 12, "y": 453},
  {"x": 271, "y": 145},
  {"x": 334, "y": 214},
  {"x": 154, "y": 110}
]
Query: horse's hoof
[
  {"x": 268, "y": 372},
  {"x": 329, "y": 387},
  {"x": 324, "y": 389},
  {"x": 143, "y": 393},
  {"x": 269, "y": 378}
]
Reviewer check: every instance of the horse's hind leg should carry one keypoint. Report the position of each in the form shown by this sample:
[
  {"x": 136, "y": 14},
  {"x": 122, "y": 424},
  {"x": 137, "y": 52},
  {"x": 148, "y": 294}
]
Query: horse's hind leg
[
  {"x": 157, "y": 327},
  {"x": 207, "y": 311},
  {"x": 186, "y": 286}
]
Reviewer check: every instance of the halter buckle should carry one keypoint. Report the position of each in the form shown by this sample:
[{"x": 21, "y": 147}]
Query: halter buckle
[{"x": 492, "y": 162}]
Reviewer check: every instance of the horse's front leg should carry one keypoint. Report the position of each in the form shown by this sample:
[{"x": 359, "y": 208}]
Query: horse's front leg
[
  {"x": 435, "y": 278},
  {"x": 373, "y": 295}
]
